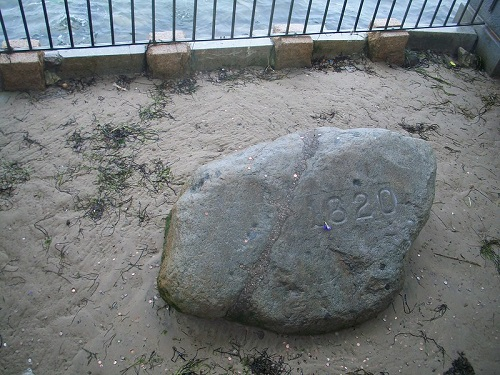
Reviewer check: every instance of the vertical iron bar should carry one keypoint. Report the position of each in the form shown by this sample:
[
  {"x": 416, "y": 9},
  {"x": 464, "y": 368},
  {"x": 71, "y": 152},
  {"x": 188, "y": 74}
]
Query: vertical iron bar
[
  {"x": 476, "y": 12},
  {"x": 173, "y": 19},
  {"x": 358, "y": 15},
  {"x": 271, "y": 17},
  {"x": 341, "y": 16},
  {"x": 463, "y": 13},
  {"x": 194, "y": 18},
  {"x": 374, "y": 15},
  {"x": 421, "y": 12},
  {"x": 390, "y": 15},
  {"x": 47, "y": 25},
  {"x": 91, "y": 26},
  {"x": 406, "y": 13},
  {"x": 214, "y": 16},
  {"x": 23, "y": 16},
  {"x": 449, "y": 12},
  {"x": 153, "y": 20},
  {"x": 4, "y": 30},
  {"x": 111, "y": 26},
  {"x": 325, "y": 15},
  {"x": 438, "y": 6},
  {"x": 132, "y": 16},
  {"x": 252, "y": 20},
  {"x": 68, "y": 20},
  {"x": 306, "y": 22},
  {"x": 289, "y": 18},
  {"x": 233, "y": 19}
]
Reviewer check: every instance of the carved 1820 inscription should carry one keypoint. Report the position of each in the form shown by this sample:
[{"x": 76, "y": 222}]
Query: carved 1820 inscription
[{"x": 364, "y": 206}]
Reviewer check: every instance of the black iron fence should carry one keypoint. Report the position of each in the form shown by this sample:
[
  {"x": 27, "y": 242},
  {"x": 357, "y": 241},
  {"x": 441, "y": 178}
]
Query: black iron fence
[{"x": 60, "y": 24}]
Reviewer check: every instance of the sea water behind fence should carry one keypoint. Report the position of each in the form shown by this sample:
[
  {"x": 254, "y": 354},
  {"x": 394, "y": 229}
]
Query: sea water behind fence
[{"x": 61, "y": 24}]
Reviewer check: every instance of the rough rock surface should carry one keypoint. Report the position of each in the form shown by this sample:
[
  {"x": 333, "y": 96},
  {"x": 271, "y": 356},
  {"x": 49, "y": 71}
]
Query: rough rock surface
[{"x": 306, "y": 234}]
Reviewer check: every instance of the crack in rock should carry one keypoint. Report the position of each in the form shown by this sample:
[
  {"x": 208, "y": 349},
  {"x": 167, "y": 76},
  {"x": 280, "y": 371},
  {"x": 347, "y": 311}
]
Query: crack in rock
[{"x": 241, "y": 305}]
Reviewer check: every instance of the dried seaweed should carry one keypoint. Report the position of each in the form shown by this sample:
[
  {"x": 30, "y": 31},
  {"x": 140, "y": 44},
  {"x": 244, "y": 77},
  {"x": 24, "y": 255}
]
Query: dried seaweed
[
  {"x": 426, "y": 339},
  {"x": 80, "y": 84},
  {"x": 488, "y": 252},
  {"x": 439, "y": 311},
  {"x": 76, "y": 141},
  {"x": 489, "y": 101},
  {"x": 460, "y": 260},
  {"x": 47, "y": 241},
  {"x": 157, "y": 109},
  {"x": 30, "y": 141},
  {"x": 12, "y": 174},
  {"x": 145, "y": 362},
  {"x": 343, "y": 63},
  {"x": 193, "y": 366},
  {"x": 114, "y": 137},
  {"x": 325, "y": 116},
  {"x": 95, "y": 208},
  {"x": 242, "y": 76},
  {"x": 153, "y": 179},
  {"x": 111, "y": 151},
  {"x": 90, "y": 356},
  {"x": 416, "y": 59},
  {"x": 122, "y": 83},
  {"x": 261, "y": 363},
  {"x": 364, "y": 372},
  {"x": 460, "y": 366},
  {"x": 114, "y": 174},
  {"x": 186, "y": 86},
  {"x": 419, "y": 128}
]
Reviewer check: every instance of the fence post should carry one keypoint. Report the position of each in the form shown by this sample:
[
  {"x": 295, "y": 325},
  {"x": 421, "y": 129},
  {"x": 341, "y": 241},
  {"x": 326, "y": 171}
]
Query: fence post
[
  {"x": 22, "y": 70},
  {"x": 168, "y": 60},
  {"x": 291, "y": 51},
  {"x": 385, "y": 44}
]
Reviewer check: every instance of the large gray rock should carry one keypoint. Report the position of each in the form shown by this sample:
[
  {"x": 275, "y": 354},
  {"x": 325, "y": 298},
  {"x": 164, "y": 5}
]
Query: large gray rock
[{"x": 306, "y": 234}]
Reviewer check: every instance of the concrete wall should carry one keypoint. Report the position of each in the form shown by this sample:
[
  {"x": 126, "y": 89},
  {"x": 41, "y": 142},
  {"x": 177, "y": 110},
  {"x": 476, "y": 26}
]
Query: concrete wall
[
  {"x": 488, "y": 41},
  {"x": 488, "y": 46},
  {"x": 446, "y": 39},
  {"x": 489, "y": 14},
  {"x": 177, "y": 59},
  {"x": 97, "y": 61}
]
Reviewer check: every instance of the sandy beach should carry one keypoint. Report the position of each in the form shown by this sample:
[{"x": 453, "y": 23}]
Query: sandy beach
[{"x": 90, "y": 169}]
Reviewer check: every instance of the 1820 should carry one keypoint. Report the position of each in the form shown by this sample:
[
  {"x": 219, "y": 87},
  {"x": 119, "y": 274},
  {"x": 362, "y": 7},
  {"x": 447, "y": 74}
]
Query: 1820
[{"x": 363, "y": 206}]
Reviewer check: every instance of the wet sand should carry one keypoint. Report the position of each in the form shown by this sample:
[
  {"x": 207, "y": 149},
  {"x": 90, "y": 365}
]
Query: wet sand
[{"x": 90, "y": 171}]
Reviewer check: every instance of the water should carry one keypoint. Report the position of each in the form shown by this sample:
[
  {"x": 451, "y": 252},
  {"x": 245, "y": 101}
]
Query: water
[{"x": 184, "y": 9}]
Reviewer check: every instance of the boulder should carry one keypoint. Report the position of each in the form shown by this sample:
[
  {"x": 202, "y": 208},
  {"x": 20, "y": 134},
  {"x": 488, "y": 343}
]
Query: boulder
[{"x": 303, "y": 235}]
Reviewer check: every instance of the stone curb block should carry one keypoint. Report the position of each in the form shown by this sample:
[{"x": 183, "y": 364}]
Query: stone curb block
[
  {"x": 22, "y": 71},
  {"x": 168, "y": 60}
]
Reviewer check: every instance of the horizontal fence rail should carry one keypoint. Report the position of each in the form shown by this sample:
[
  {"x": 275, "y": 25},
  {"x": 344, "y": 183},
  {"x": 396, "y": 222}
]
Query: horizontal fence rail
[{"x": 62, "y": 24}]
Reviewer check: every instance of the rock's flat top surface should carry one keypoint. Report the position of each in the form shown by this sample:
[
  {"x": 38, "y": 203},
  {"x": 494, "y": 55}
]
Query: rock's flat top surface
[{"x": 305, "y": 234}]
